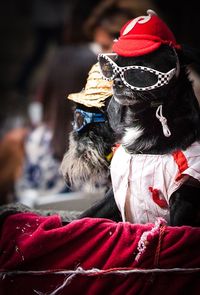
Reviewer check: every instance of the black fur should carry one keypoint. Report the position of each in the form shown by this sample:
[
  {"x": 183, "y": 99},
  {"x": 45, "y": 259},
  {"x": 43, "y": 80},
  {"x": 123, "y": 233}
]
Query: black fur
[
  {"x": 105, "y": 208},
  {"x": 180, "y": 106}
]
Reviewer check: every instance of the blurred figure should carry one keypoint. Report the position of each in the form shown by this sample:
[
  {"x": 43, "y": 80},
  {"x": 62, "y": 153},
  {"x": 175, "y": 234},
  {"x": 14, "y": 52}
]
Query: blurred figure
[
  {"x": 66, "y": 73},
  {"x": 11, "y": 162},
  {"x": 105, "y": 22},
  {"x": 48, "y": 19},
  {"x": 108, "y": 17},
  {"x": 47, "y": 142}
]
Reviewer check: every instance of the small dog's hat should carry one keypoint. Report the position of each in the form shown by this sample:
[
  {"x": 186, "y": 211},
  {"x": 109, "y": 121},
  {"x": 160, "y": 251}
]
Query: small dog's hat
[
  {"x": 143, "y": 35},
  {"x": 96, "y": 90}
]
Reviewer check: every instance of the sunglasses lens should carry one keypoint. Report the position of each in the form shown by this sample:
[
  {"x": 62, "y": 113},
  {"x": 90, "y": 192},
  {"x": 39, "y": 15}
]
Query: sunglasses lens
[
  {"x": 106, "y": 67},
  {"x": 79, "y": 121},
  {"x": 140, "y": 78}
]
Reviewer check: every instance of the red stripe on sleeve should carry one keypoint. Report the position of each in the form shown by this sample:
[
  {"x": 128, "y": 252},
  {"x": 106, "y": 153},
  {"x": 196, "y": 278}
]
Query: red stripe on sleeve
[{"x": 181, "y": 162}]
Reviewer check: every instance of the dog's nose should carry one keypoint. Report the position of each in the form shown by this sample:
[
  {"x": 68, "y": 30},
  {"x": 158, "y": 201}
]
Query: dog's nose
[{"x": 118, "y": 82}]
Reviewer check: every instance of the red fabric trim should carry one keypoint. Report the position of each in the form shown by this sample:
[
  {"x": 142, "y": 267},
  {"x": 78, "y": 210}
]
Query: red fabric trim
[
  {"x": 143, "y": 37},
  {"x": 181, "y": 162},
  {"x": 125, "y": 48},
  {"x": 156, "y": 198}
]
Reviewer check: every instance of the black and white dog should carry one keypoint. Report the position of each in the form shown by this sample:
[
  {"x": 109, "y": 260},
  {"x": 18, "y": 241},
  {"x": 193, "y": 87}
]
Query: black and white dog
[{"x": 163, "y": 120}]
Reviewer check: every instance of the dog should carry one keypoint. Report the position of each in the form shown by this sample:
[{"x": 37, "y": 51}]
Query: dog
[
  {"x": 156, "y": 117},
  {"x": 86, "y": 163}
]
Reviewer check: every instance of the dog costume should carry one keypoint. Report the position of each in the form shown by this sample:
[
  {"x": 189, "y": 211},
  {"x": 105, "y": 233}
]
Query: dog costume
[{"x": 143, "y": 183}]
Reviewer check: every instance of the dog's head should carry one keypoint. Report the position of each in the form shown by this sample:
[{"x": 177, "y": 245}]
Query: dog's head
[
  {"x": 153, "y": 97},
  {"x": 85, "y": 165},
  {"x": 144, "y": 59}
]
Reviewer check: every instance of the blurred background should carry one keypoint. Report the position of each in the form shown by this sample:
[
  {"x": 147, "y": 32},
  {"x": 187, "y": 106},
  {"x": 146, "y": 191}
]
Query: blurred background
[{"x": 47, "y": 49}]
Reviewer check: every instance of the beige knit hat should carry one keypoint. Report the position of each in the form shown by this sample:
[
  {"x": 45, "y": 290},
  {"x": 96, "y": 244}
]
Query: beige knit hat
[{"x": 96, "y": 90}]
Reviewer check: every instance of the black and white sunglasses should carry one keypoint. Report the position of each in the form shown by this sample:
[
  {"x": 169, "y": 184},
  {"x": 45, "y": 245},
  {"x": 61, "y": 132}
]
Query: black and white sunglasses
[{"x": 152, "y": 78}]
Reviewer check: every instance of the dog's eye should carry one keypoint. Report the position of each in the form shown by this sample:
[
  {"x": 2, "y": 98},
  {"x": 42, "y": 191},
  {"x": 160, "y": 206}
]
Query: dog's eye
[{"x": 140, "y": 78}]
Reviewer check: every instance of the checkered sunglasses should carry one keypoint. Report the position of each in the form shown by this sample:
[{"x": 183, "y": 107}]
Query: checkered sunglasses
[{"x": 110, "y": 69}]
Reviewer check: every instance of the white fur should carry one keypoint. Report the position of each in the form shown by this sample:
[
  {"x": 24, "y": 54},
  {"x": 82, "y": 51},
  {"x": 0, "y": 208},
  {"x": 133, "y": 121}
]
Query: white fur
[{"x": 131, "y": 135}]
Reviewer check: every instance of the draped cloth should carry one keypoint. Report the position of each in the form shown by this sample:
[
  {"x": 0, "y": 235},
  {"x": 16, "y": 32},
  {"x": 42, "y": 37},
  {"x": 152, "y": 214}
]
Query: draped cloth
[{"x": 30, "y": 242}]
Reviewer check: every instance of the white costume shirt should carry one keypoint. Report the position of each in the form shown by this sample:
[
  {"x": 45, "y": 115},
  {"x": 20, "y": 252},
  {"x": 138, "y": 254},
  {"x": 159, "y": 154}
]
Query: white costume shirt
[{"x": 143, "y": 183}]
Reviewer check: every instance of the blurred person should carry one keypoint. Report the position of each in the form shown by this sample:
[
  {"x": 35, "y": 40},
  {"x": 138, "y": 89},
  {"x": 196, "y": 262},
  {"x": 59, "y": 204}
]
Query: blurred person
[
  {"x": 46, "y": 144},
  {"x": 104, "y": 23},
  {"x": 47, "y": 141},
  {"x": 11, "y": 162},
  {"x": 48, "y": 21},
  {"x": 107, "y": 18}
]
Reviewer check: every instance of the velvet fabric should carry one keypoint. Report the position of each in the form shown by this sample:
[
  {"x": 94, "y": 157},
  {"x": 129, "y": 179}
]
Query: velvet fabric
[{"x": 32, "y": 242}]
